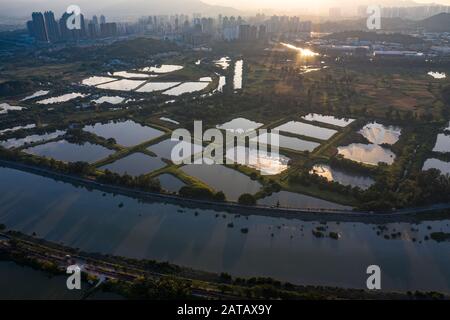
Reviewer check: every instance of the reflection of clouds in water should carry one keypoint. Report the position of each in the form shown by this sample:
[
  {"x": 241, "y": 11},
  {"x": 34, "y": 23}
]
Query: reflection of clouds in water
[
  {"x": 369, "y": 154},
  {"x": 379, "y": 134},
  {"x": 95, "y": 224}
]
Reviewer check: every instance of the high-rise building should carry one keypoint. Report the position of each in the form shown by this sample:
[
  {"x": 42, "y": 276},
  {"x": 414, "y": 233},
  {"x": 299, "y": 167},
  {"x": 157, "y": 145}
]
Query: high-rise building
[
  {"x": 39, "y": 30},
  {"x": 108, "y": 29},
  {"x": 262, "y": 33},
  {"x": 51, "y": 26},
  {"x": 71, "y": 34},
  {"x": 102, "y": 19},
  {"x": 30, "y": 28}
]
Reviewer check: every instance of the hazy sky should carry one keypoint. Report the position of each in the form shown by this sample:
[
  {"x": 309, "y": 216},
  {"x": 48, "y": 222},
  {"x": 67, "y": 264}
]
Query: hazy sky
[
  {"x": 141, "y": 7},
  {"x": 300, "y": 3}
]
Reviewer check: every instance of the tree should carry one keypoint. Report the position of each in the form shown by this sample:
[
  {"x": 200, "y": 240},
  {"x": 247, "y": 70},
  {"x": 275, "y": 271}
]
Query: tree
[
  {"x": 247, "y": 199},
  {"x": 220, "y": 196}
]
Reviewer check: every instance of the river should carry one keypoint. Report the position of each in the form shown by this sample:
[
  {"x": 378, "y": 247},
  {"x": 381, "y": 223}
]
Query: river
[{"x": 216, "y": 241}]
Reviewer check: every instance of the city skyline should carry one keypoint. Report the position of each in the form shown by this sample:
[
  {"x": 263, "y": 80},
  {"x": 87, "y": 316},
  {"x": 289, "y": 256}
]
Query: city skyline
[{"x": 145, "y": 7}]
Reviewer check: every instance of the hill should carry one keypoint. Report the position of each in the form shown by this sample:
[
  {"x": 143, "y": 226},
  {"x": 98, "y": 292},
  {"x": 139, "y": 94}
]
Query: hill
[
  {"x": 375, "y": 37},
  {"x": 437, "y": 23}
]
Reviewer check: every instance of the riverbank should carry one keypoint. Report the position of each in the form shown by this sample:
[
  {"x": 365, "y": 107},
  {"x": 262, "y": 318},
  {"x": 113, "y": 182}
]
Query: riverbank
[{"x": 434, "y": 212}]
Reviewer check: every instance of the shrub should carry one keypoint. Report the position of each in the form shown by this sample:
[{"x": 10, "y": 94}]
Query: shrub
[{"x": 247, "y": 200}]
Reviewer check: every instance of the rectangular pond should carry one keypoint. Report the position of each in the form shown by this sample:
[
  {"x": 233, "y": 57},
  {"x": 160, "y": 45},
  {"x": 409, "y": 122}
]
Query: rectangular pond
[
  {"x": 288, "y": 142},
  {"x": 126, "y": 133},
  {"x": 296, "y": 200},
  {"x": 157, "y": 86},
  {"x": 62, "y": 98},
  {"x": 70, "y": 152},
  {"x": 170, "y": 183},
  {"x": 122, "y": 85},
  {"x": 135, "y": 164},
  {"x": 440, "y": 165},
  {"x": 15, "y": 143},
  {"x": 240, "y": 125},
  {"x": 183, "y": 149},
  {"x": 267, "y": 164},
  {"x": 367, "y": 153},
  {"x": 238, "y": 74},
  {"x": 221, "y": 178},
  {"x": 307, "y": 130},
  {"x": 17, "y": 128},
  {"x": 186, "y": 87},
  {"x": 165, "y": 68},
  {"x": 131, "y": 75},
  {"x": 442, "y": 143},
  {"x": 95, "y": 80},
  {"x": 340, "y": 122},
  {"x": 342, "y": 177}
]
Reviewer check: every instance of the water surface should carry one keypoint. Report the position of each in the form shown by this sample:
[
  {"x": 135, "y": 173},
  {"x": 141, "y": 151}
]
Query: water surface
[
  {"x": 63, "y": 98},
  {"x": 122, "y": 85},
  {"x": 202, "y": 239},
  {"x": 288, "y": 142},
  {"x": 18, "y": 142},
  {"x": 296, "y": 200},
  {"x": 442, "y": 143},
  {"x": 37, "y": 94},
  {"x": 340, "y": 122},
  {"x": 183, "y": 149},
  {"x": 17, "y": 128},
  {"x": 131, "y": 75},
  {"x": 307, "y": 130},
  {"x": 442, "y": 166},
  {"x": 223, "y": 62},
  {"x": 186, "y": 87},
  {"x": 221, "y": 178},
  {"x": 126, "y": 133},
  {"x": 170, "y": 183},
  {"x": 380, "y": 134},
  {"x": 165, "y": 68},
  {"x": 240, "y": 125},
  {"x": 157, "y": 86},
  {"x": 266, "y": 163},
  {"x": 135, "y": 164},
  {"x": 108, "y": 99},
  {"x": 69, "y": 152},
  {"x": 367, "y": 153},
  {"x": 342, "y": 177},
  {"x": 5, "y": 108},
  {"x": 95, "y": 80},
  {"x": 437, "y": 75},
  {"x": 238, "y": 73}
]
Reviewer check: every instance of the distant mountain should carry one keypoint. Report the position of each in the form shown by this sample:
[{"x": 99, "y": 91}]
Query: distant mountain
[
  {"x": 375, "y": 37},
  {"x": 437, "y": 23},
  {"x": 146, "y": 7},
  {"x": 114, "y": 8}
]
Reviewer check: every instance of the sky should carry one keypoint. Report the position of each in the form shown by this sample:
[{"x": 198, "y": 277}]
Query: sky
[
  {"x": 132, "y": 7},
  {"x": 276, "y": 4}
]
